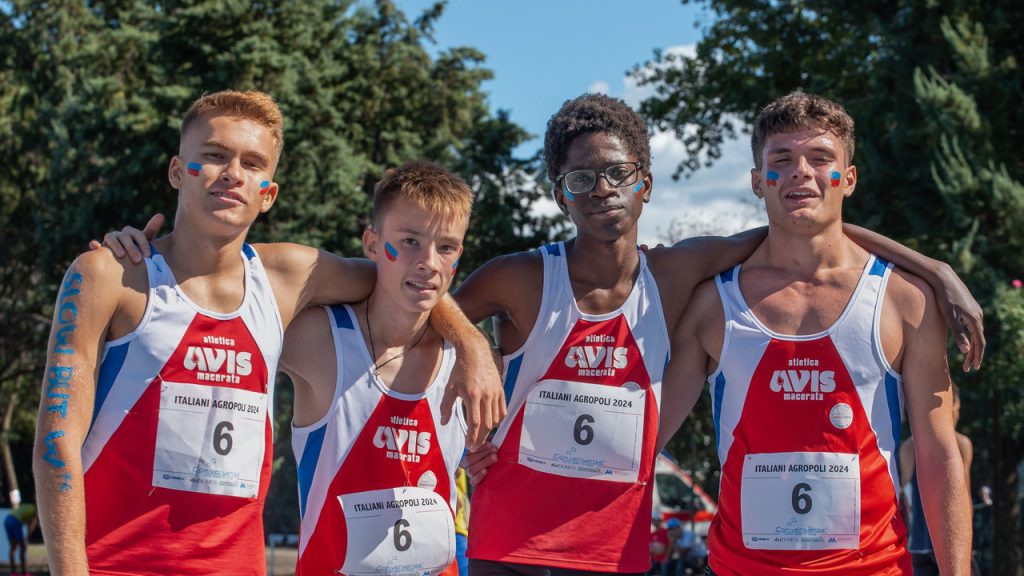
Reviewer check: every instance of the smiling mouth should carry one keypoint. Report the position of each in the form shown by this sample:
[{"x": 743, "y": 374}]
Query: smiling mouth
[
  {"x": 229, "y": 195},
  {"x": 606, "y": 209},
  {"x": 421, "y": 285},
  {"x": 800, "y": 194}
]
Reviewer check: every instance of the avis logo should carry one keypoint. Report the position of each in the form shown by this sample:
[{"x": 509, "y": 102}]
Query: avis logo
[
  {"x": 803, "y": 380},
  {"x": 402, "y": 440},
  {"x": 206, "y": 359},
  {"x": 595, "y": 356}
]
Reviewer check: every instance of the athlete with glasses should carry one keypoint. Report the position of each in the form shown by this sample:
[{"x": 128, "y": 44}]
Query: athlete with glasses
[{"x": 584, "y": 329}]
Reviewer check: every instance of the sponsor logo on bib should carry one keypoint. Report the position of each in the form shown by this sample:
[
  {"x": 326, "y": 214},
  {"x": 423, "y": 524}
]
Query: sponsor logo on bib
[
  {"x": 803, "y": 380},
  {"x": 405, "y": 444}
]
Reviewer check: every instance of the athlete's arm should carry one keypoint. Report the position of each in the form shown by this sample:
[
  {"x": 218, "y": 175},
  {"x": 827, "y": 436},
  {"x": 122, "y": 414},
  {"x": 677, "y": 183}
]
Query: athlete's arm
[
  {"x": 475, "y": 376},
  {"x": 691, "y": 362},
  {"x": 308, "y": 358},
  {"x": 508, "y": 286},
  {"x": 958, "y": 307},
  {"x": 86, "y": 305},
  {"x": 926, "y": 385},
  {"x": 906, "y": 461}
]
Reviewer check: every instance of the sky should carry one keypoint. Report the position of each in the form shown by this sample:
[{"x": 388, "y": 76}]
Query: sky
[{"x": 544, "y": 52}]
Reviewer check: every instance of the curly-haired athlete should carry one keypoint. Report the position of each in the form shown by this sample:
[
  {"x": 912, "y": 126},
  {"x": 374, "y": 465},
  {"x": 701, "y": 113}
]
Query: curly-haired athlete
[{"x": 584, "y": 328}]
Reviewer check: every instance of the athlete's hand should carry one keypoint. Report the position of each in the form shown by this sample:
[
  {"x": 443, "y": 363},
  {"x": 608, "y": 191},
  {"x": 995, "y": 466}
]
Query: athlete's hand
[
  {"x": 477, "y": 461},
  {"x": 964, "y": 316},
  {"x": 131, "y": 241},
  {"x": 475, "y": 379}
]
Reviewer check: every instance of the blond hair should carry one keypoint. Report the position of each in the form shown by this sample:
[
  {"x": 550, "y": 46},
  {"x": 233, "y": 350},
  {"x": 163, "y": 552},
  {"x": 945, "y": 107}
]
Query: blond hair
[
  {"x": 441, "y": 193},
  {"x": 251, "y": 105}
]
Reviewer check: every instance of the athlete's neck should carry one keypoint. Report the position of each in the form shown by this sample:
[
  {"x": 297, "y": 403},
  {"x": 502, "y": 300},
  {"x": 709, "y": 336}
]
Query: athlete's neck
[
  {"x": 192, "y": 254},
  {"x": 392, "y": 328},
  {"x": 804, "y": 253},
  {"x": 603, "y": 264}
]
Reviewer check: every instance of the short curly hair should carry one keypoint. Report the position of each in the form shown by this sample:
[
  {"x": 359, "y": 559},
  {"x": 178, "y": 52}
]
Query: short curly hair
[
  {"x": 798, "y": 111},
  {"x": 594, "y": 113}
]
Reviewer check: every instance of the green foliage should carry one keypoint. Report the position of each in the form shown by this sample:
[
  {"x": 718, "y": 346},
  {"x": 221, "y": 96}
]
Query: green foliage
[{"x": 91, "y": 96}]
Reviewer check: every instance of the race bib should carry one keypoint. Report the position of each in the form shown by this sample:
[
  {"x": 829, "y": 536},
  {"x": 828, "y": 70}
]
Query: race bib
[
  {"x": 801, "y": 501},
  {"x": 210, "y": 439},
  {"x": 398, "y": 531},
  {"x": 584, "y": 430}
]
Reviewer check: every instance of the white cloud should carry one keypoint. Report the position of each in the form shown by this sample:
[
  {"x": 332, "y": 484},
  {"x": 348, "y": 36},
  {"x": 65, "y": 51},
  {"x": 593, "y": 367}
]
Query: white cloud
[{"x": 599, "y": 87}]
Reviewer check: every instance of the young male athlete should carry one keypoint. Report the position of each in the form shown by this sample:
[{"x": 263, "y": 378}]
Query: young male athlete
[
  {"x": 153, "y": 446},
  {"x": 376, "y": 466},
  {"x": 813, "y": 347},
  {"x": 583, "y": 330}
]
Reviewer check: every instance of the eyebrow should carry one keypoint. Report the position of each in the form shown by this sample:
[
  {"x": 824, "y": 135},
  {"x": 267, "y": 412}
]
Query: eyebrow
[
  {"x": 256, "y": 155},
  {"x": 415, "y": 232},
  {"x": 819, "y": 149}
]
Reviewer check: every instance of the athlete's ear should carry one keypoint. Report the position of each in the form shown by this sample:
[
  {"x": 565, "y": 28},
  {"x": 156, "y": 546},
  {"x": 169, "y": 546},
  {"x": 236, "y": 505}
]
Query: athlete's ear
[
  {"x": 268, "y": 196},
  {"x": 371, "y": 243},
  {"x": 174, "y": 172},
  {"x": 556, "y": 193},
  {"x": 648, "y": 185},
  {"x": 851, "y": 181},
  {"x": 755, "y": 182}
]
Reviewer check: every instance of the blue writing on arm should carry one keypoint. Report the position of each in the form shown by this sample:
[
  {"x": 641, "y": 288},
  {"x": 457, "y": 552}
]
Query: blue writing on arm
[
  {"x": 51, "y": 449},
  {"x": 67, "y": 314},
  {"x": 58, "y": 378}
]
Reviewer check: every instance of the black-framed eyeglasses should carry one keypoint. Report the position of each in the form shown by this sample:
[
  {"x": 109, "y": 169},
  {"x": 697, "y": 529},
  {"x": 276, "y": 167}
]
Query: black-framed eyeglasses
[{"x": 617, "y": 175}]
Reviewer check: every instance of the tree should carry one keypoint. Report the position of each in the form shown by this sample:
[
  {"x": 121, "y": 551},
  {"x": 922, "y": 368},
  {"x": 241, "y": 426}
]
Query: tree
[
  {"x": 933, "y": 87},
  {"x": 92, "y": 94}
]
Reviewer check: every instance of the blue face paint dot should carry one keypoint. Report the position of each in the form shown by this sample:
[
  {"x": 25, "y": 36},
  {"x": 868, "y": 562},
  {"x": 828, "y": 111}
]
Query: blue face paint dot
[{"x": 265, "y": 183}]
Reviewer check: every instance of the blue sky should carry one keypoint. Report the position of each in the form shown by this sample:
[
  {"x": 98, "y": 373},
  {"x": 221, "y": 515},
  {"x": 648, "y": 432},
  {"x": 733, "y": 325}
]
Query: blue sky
[{"x": 544, "y": 52}]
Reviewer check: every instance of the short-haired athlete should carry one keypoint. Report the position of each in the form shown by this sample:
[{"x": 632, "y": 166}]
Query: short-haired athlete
[
  {"x": 153, "y": 445},
  {"x": 813, "y": 348},
  {"x": 376, "y": 465},
  {"x": 584, "y": 330}
]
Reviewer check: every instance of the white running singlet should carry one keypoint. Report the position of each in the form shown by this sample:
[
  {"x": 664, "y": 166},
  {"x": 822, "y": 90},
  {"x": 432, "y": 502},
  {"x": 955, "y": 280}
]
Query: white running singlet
[
  {"x": 573, "y": 483},
  {"x": 377, "y": 472},
  {"x": 807, "y": 430},
  {"x": 177, "y": 459}
]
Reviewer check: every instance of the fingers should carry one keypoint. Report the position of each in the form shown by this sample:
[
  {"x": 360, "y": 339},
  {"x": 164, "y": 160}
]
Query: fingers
[
  {"x": 447, "y": 403},
  {"x": 95, "y": 245},
  {"x": 476, "y": 427},
  {"x": 476, "y": 462},
  {"x": 969, "y": 335},
  {"x": 152, "y": 227},
  {"x": 112, "y": 240},
  {"x": 975, "y": 324}
]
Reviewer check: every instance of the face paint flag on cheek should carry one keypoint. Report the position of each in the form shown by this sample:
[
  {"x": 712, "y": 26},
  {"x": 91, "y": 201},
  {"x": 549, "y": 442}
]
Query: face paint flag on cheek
[
  {"x": 390, "y": 251},
  {"x": 771, "y": 178},
  {"x": 836, "y": 176},
  {"x": 569, "y": 196},
  {"x": 264, "y": 187},
  {"x": 455, "y": 265},
  {"x": 193, "y": 168},
  {"x": 639, "y": 187}
]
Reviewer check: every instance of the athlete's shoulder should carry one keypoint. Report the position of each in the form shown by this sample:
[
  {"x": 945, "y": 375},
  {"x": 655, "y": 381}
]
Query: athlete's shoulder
[
  {"x": 910, "y": 295},
  {"x": 99, "y": 270},
  {"x": 516, "y": 268},
  {"x": 286, "y": 256}
]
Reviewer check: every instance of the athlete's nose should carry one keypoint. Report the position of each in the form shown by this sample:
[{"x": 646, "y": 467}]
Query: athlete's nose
[{"x": 233, "y": 172}]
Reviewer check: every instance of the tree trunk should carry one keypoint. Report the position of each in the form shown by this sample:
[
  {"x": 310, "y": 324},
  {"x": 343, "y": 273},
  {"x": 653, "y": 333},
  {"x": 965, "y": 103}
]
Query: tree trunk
[
  {"x": 5, "y": 445},
  {"x": 1006, "y": 529}
]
